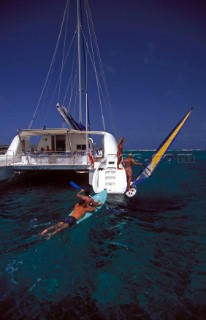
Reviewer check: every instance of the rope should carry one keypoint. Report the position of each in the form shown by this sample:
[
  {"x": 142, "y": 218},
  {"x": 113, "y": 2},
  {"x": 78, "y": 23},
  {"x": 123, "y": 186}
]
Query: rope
[
  {"x": 51, "y": 66},
  {"x": 108, "y": 103}
]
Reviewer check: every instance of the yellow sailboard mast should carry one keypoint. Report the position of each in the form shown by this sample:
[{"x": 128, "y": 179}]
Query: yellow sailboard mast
[{"x": 159, "y": 153}]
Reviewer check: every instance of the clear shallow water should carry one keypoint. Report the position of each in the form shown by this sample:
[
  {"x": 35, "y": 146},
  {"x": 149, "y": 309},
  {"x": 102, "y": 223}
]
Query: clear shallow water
[{"x": 139, "y": 258}]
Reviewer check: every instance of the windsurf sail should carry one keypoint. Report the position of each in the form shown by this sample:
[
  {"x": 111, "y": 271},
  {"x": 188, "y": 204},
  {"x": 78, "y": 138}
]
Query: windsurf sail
[
  {"x": 69, "y": 119},
  {"x": 159, "y": 153}
]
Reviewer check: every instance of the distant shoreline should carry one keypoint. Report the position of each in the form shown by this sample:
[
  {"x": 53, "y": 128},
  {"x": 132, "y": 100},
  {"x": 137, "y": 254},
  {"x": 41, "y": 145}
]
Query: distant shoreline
[
  {"x": 169, "y": 150},
  {"x": 4, "y": 147}
]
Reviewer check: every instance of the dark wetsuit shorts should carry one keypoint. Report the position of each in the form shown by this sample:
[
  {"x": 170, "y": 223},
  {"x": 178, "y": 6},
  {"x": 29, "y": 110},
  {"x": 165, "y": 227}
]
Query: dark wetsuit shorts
[{"x": 70, "y": 220}]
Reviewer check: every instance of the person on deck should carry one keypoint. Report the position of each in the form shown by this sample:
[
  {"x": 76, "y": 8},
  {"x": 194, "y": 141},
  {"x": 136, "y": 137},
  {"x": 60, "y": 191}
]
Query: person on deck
[
  {"x": 119, "y": 152},
  {"x": 48, "y": 150},
  {"x": 129, "y": 161},
  {"x": 87, "y": 198},
  {"x": 78, "y": 212}
]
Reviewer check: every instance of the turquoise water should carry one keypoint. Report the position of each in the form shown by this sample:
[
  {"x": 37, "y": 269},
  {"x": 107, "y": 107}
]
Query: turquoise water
[{"x": 139, "y": 258}]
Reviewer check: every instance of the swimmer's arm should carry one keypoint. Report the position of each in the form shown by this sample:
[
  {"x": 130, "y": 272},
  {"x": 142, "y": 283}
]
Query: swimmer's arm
[
  {"x": 90, "y": 208},
  {"x": 79, "y": 195},
  {"x": 94, "y": 203},
  {"x": 137, "y": 163}
]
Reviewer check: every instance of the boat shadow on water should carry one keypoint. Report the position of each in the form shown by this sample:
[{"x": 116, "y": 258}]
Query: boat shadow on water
[{"x": 55, "y": 178}]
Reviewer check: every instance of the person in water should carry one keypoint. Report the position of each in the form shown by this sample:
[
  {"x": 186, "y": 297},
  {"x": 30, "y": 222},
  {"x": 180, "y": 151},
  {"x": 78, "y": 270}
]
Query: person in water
[
  {"x": 87, "y": 198},
  {"x": 129, "y": 161},
  {"x": 119, "y": 152},
  {"x": 78, "y": 212}
]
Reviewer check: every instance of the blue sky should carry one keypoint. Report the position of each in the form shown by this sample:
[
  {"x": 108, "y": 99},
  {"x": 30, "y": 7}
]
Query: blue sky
[{"x": 153, "y": 54}]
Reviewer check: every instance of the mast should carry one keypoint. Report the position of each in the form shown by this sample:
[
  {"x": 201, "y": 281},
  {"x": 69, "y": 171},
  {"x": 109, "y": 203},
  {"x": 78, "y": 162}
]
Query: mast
[{"x": 79, "y": 57}]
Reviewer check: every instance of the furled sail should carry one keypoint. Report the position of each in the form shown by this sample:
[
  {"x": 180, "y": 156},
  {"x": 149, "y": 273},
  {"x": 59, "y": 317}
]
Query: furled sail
[
  {"x": 159, "y": 153},
  {"x": 69, "y": 119}
]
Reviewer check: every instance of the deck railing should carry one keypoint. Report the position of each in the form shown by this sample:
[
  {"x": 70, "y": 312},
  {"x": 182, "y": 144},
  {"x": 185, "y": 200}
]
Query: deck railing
[{"x": 54, "y": 158}]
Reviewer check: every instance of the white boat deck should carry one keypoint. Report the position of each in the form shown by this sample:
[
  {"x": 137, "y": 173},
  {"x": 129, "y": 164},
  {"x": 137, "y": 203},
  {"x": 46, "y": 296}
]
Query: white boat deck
[{"x": 50, "y": 161}]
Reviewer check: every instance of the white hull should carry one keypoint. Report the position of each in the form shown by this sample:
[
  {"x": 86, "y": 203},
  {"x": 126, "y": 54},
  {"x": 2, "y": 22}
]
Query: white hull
[
  {"x": 74, "y": 152},
  {"x": 106, "y": 176}
]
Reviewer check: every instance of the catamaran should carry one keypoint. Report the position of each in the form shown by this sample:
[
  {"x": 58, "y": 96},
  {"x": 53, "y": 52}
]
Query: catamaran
[{"x": 74, "y": 147}]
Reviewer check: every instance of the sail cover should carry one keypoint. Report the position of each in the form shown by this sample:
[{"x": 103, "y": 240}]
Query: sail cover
[
  {"x": 69, "y": 119},
  {"x": 159, "y": 153}
]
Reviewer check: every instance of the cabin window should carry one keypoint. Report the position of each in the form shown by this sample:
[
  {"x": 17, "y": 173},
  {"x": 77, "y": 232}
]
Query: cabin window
[{"x": 81, "y": 147}]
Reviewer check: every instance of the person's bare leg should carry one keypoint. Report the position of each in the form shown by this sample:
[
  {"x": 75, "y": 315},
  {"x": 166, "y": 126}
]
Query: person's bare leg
[
  {"x": 128, "y": 183},
  {"x": 50, "y": 228},
  {"x": 58, "y": 229},
  {"x": 118, "y": 163}
]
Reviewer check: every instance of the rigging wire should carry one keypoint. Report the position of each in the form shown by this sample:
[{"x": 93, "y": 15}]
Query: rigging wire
[
  {"x": 85, "y": 72},
  {"x": 94, "y": 54},
  {"x": 51, "y": 65},
  {"x": 108, "y": 103},
  {"x": 61, "y": 74},
  {"x": 62, "y": 66},
  {"x": 71, "y": 74},
  {"x": 92, "y": 57}
]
